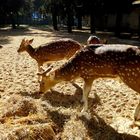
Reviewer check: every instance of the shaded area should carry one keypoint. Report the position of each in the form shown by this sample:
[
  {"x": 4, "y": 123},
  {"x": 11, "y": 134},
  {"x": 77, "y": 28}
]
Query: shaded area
[
  {"x": 98, "y": 129},
  {"x": 34, "y": 95},
  {"x": 7, "y": 32},
  {"x": 79, "y": 35},
  {"x": 82, "y": 35},
  {"x": 58, "y": 118},
  {"x": 57, "y": 99},
  {"x": 4, "y": 40}
]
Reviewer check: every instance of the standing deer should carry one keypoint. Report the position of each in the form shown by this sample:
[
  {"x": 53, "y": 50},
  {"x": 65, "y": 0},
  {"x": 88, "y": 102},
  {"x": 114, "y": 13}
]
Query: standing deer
[
  {"x": 98, "y": 61},
  {"x": 52, "y": 51}
]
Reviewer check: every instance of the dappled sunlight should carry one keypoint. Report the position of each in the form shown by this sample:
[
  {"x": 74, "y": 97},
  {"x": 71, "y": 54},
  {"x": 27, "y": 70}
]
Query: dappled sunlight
[
  {"x": 56, "y": 114},
  {"x": 4, "y": 40}
]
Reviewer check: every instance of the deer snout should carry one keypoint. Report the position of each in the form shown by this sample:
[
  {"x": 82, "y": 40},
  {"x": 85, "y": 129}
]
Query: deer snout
[
  {"x": 19, "y": 50},
  {"x": 40, "y": 91},
  {"x": 43, "y": 89}
]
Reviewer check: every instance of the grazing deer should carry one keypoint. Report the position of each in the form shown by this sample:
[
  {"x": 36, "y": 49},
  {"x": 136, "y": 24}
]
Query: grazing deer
[
  {"x": 98, "y": 61},
  {"x": 52, "y": 51},
  {"x": 96, "y": 40}
]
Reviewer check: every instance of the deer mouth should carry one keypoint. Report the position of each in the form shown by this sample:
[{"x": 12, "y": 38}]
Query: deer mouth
[{"x": 19, "y": 51}]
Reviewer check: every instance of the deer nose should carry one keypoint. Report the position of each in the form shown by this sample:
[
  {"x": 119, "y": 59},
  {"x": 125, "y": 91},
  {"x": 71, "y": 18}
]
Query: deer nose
[
  {"x": 40, "y": 92},
  {"x": 18, "y": 51}
]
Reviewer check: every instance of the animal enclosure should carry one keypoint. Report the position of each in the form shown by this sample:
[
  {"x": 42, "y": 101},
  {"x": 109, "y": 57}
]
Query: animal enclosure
[{"x": 24, "y": 111}]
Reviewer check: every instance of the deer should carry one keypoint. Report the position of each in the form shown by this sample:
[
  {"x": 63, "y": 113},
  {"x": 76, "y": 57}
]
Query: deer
[
  {"x": 98, "y": 61},
  {"x": 49, "y": 52},
  {"x": 95, "y": 40}
]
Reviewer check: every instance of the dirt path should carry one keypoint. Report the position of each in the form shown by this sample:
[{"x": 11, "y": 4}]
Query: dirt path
[{"x": 25, "y": 114}]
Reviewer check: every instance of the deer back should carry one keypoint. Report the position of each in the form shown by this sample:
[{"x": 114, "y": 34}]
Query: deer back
[
  {"x": 57, "y": 50},
  {"x": 96, "y": 61}
]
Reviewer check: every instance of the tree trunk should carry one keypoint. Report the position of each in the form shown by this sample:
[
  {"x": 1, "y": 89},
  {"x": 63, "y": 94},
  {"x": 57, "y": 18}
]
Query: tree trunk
[
  {"x": 54, "y": 16},
  {"x": 118, "y": 24},
  {"x": 92, "y": 23},
  {"x": 54, "y": 19},
  {"x": 18, "y": 22},
  {"x": 79, "y": 17},
  {"x": 13, "y": 21},
  {"x": 69, "y": 24},
  {"x": 69, "y": 19},
  {"x": 139, "y": 27}
]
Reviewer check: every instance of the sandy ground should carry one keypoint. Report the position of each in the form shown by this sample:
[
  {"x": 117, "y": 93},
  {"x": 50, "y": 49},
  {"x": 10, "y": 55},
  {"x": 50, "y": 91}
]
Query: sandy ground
[{"x": 25, "y": 114}]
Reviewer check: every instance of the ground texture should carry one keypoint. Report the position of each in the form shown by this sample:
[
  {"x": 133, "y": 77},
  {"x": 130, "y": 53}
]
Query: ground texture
[{"x": 27, "y": 115}]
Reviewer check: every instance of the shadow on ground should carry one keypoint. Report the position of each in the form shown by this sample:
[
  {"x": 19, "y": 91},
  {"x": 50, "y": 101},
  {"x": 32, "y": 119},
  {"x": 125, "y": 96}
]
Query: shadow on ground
[
  {"x": 79, "y": 35},
  {"x": 4, "y": 40},
  {"x": 98, "y": 129}
]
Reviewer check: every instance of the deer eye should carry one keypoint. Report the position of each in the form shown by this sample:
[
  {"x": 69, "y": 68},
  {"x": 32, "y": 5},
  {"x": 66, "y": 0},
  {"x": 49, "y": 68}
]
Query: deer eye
[{"x": 42, "y": 83}]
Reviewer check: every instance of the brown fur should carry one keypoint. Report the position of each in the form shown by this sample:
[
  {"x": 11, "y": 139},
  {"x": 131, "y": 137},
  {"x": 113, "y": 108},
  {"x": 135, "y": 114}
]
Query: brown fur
[
  {"x": 96, "y": 61},
  {"x": 52, "y": 51}
]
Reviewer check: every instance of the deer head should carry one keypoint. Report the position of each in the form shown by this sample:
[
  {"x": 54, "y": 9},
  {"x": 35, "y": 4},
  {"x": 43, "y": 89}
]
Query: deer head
[
  {"x": 24, "y": 44},
  {"x": 47, "y": 81}
]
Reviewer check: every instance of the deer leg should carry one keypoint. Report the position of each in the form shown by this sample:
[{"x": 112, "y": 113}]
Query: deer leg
[
  {"x": 48, "y": 64},
  {"x": 86, "y": 90},
  {"x": 137, "y": 112},
  {"x": 49, "y": 68},
  {"x": 39, "y": 70}
]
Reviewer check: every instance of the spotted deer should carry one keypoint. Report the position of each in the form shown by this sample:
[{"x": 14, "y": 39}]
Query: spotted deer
[
  {"x": 52, "y": 51},
  {"x": 95, "y": 40},
  {"x": 98, "y": 61}
]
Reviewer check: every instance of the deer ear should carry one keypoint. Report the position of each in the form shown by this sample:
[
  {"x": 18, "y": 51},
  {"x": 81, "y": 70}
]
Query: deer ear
[
  {"x": 42, "y": 69},
  {"x": 31, "y": 41},
  {"x": 46, "y": 71},
  {"x": 23, "y": 40},
  {"x": 39, "y": 73}
]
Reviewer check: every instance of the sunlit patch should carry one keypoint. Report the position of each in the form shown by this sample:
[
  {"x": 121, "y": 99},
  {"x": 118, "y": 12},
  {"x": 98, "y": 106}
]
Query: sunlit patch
[{"x": 123, "y": 125}]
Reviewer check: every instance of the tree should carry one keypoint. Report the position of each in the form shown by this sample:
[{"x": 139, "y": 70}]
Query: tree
[
  {"x": 40, "y": 6},
  {"x": 69, "y": 12},
  {"x": 79, "y": 15},
  {"x": 61, "y": 8},
  {"x": 118, "y": 8},
  {"x": 11, "y": 8},
  {"x": 54, "y": 7},
  {"x": 91, "y": 8}
]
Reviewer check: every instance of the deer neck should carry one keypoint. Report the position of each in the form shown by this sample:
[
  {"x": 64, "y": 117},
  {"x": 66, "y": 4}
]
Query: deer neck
[
  {"x": 30, "y": 50},
  {"x": 66, "y": 73}
]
